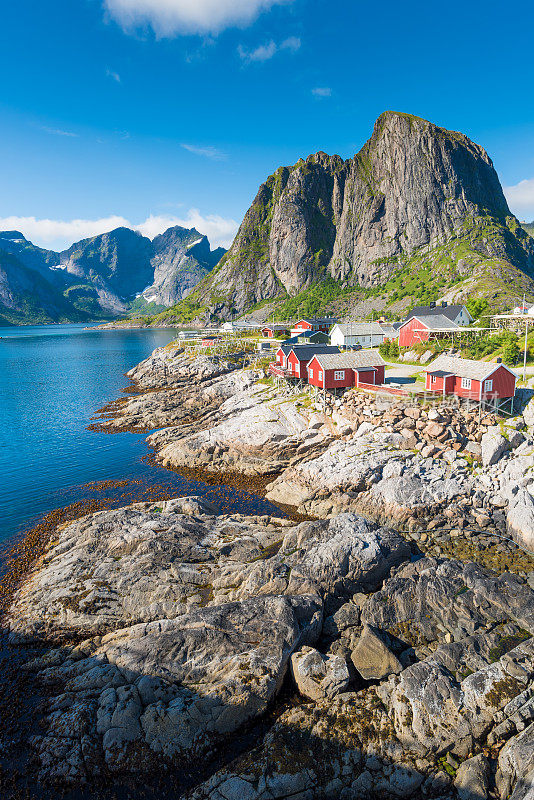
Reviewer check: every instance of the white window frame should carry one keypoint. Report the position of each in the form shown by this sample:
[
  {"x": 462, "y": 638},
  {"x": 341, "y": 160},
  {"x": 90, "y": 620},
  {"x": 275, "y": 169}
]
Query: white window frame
[
  {"x": 339, "y": 375},
  {"x": 488, "y": 385},
  {"x": 283, "y": 360},
  {"x": 296, "y": 368},
  {"x": 434, "y": 378},
  {"x": 310, "y": 372},
  {"x": 466, "y": 383},
  {"x": 320, "y": 376}
]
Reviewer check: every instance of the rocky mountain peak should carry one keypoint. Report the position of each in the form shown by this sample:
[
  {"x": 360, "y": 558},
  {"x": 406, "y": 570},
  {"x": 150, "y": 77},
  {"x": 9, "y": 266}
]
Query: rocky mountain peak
[{"x": 412, "y": 189}]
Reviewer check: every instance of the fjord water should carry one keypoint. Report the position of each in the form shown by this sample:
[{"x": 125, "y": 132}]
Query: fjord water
[{"x": 52, "y": 380}]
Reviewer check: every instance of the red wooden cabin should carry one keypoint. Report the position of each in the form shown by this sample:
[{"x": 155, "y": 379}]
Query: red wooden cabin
[
  {"x": 420, "y": 329},
  {"x": 314, "y": 324},
  {"x": 272, "y": 331},
  {"x": 300, "y": 355},
  {"x": 475, "y": 380},
  {"x": 340, "y": 371}
]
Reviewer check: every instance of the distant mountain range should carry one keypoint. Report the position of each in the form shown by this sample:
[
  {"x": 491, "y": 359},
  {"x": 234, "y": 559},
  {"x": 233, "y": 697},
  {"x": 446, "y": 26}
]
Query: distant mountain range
[
  {"x": 417, "y": 214},
  {"x": 102, "y": 277}
]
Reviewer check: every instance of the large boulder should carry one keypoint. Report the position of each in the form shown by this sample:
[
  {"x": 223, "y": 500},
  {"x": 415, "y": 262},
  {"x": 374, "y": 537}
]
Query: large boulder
[
  {"x": 472, "y": 781},
  {"x": 520, "y": 518},
  {"x": 494, "y": 445},
  {"x": 372, "y": 657},
  {"x": 515, "y": 774},
  {"x": 319, "y": 677}
]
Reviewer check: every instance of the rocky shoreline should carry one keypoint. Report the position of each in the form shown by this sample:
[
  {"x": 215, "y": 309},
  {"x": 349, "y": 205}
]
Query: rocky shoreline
[{"x": 396, "y": 608}]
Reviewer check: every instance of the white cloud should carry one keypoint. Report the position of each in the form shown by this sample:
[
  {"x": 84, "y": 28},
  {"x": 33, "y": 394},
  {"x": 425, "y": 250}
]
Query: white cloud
[
  {"x": 322, "y": 91},
  {"x": 174, "y": 17},
  {"x": 262, "y": 53},
  {"x": 292, "y": 44},
  {"x": 113, "y": 75},
  {"x": 59, "y": 234},
  {"x": 521, "y": 199},
  {"x": 266, "y": 51},
  {"x": 207, "y": 151},
  {"x": 58, "y": 131}
]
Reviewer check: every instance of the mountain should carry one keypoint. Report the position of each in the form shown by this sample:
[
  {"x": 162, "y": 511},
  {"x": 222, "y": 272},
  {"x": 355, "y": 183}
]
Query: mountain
[
  {"x": 26, "y": 296},
  {"x": 528, "y": 227},
  {"x": 418, "y": 205},
  {"x": 116, "y": 263},
  {"x": 181, "y": 258},
  {"x": 100, "y": 277},
  {"x": 123, "y": 265}
]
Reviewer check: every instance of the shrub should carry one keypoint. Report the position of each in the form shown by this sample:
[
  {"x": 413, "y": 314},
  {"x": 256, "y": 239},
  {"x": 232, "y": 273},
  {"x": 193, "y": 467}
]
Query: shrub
[{"x": 510, "y": 352}]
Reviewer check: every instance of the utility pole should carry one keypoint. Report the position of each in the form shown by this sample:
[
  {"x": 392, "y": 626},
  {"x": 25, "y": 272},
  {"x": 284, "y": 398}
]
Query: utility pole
[{"x": 525, "y": 353}]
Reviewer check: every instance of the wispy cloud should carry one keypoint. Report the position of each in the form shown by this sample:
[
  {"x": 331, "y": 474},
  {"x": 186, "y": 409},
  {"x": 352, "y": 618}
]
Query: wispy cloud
[
  {"x": 521, "y": 198},
  {"x": 58, "y": 234},
  {"x": 58, "y": 132},
  {"x": 175, "y": 17},
  {"x": 266, "y": 51},
  {"x": 113, "y": 75},
  {"x": 206, "y": 152},
  {"x": 322, "y": 91}
]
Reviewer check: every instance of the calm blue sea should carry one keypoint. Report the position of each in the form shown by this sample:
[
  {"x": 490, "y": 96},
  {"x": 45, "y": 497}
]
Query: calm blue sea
[{"x": 52, "y": 380}]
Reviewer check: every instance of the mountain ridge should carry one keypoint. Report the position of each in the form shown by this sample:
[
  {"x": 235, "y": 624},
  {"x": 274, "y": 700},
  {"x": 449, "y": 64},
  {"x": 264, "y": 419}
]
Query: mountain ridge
[
  {"x": 100, "y": 277},
  {"x": 415, "y": 196}
]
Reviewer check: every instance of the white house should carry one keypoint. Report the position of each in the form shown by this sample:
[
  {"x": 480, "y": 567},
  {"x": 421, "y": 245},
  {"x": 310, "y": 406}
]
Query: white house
[{"x": 364, "y": 334}]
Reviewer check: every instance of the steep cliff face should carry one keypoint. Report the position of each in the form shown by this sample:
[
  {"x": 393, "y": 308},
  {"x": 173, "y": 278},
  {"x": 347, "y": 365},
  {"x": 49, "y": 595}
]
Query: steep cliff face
[
  {"x": 414, "y": 190},
  {"x": 181, "y": 258}
]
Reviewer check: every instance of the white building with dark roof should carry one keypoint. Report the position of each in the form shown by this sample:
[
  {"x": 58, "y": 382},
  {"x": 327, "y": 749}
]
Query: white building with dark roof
[{"x": 363, "y": 334}]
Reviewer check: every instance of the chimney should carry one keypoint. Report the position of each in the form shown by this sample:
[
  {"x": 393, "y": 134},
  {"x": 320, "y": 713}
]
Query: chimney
[
  {"x": 432, "y": 305},
  {"x": 444, "y": 304}
]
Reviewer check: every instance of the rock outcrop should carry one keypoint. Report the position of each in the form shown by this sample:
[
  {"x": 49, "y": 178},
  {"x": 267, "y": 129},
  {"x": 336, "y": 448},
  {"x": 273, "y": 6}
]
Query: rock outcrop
[
  {"x": 188, "y": 620},
  {"x": 423, "y": 732}
]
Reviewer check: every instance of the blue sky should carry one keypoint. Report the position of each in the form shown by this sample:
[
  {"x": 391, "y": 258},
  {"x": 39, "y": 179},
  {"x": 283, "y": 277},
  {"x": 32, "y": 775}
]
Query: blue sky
[{"x": 153, "y": 112}]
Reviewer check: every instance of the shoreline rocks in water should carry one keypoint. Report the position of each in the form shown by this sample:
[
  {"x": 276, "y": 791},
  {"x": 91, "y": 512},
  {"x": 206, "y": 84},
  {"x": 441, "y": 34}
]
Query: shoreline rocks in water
[{"x": 157, "y": 634}]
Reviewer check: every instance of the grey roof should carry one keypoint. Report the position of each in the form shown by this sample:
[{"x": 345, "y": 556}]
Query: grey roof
[
  {"x": 360, "y": 328},
  {"x": 351, "y": 360},
  {"x": 438, "y": 323},
  {"x": 310, "y": 335},
  {"x": 277, "y": 327},
  {"x": 390, "y": 330},
  {"x": 306, "y": 351},
  {"x": 464, "y": 367},
  {"x": 451, "y": 312}
]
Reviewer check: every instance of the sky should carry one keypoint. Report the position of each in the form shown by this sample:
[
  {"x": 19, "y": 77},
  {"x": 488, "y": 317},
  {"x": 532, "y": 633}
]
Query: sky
[{"x": 150, "y": 113}]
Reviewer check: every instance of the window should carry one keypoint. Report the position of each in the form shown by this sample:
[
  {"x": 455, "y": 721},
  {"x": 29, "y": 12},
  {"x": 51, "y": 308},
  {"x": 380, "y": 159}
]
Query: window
[
  {"x": 488, "y": 386},
  {"x": 283, "y": 360},
  {"x": 434, "y": 379},
  {"x": 310, "y": 372},
  {"x": 297, "y": 369},
  {"x": 320, "y": 375},
  {"x": 339, "y": 375},
  {"x": 466, "y": 383}
]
